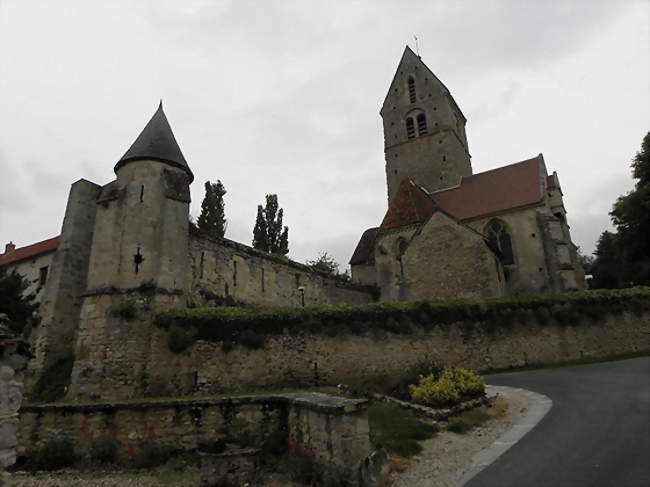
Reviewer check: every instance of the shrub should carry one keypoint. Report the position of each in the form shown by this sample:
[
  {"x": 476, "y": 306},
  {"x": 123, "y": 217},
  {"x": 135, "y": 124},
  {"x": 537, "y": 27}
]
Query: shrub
[
  {"x": 180, "y": 339},
  {"x": 125, "y": 310},
  {"x": 103, "y": 449},
  {"x": 152, "y": 455},
  {"x": 435, "y": 392},
  {"x": 469, "y": 383},
  {"x": 54, "y": 455},
  {"x": 447, "y": 387},
  {"x": 226, "y": 322},
  {"x": 251, "y": 339}
]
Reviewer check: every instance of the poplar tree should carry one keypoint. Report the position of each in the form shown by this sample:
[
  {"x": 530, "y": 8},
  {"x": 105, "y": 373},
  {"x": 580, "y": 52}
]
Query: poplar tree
[
  {"x": 269, "y": 235},
  {"x": 212, "y": 219}
]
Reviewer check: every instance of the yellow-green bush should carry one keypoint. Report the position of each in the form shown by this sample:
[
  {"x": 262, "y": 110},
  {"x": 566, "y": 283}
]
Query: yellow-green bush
[
  {"x": 469, "y": 383},
  {"x": 447, "y": 388}
]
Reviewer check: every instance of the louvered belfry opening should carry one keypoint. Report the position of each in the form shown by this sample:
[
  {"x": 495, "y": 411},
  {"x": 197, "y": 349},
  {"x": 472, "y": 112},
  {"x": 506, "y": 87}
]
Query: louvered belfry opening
[
  {"x": 422, "y": 124},
  {"x": 410, "y": 128}
]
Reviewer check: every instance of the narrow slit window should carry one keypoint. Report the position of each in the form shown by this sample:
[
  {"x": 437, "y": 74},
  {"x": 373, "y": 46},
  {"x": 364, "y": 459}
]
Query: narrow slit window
[
  {"x": 411, "y": 86},
  {"x": 410, "y": 128},
  {"x": 422, "y": 124},
  {"x": 141, "y": 193},
  {"x": 234, "y": 273},
  {"x": 262, "y": 279},
  {"x": 42, "y": 276},
  {"x": 202, "y": 263}
]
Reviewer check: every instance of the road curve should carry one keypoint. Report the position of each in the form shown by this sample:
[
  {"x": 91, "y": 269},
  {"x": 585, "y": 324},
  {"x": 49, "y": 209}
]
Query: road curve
[{"x": 597, "y": 434}]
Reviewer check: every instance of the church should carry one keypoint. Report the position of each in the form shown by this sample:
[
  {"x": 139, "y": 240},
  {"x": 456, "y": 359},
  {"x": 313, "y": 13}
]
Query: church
[
  {"x": 447, "y": 232},
  {"x": 451, "y": 233}
]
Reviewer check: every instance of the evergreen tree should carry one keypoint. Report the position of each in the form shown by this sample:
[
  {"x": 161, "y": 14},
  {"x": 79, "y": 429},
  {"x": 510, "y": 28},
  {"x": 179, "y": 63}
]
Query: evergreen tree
[
  {"x": 623, "y": 258},
  {"x": 269, "y": 235},
  {"x": 212, "y": 219},
  {"x": 20, "y": 310}
]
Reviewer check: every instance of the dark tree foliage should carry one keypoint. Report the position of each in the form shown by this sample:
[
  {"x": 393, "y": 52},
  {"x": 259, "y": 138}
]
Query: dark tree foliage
[
  {"x": 623, "y": 258},
  {"x": 212, "y": 219},
  {"x": 20, "y": 310},
  {"x": 268, "y": 234},
  {"x": 324, "y": 263}
]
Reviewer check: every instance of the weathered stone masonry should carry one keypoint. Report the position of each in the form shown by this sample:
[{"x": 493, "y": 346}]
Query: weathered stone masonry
[{"x": 330, "y": 432}]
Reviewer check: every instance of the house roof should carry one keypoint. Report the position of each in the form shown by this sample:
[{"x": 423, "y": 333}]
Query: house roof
[
  {"x": 365, "y": 248},
  {"x": 411, "y": 204},
  {"x": 504, "y": 188},
  {"x": 156, "y": 142},
  {"x": 30, "y": 251}
]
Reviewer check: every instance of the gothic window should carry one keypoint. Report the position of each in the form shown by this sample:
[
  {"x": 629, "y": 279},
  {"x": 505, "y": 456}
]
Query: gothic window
[
  {"x": 422, "y": 124},
  {"x": 411, "y": 84},
  {"x": 501, "y": 241},
  {"x": 410, "y": 128}
]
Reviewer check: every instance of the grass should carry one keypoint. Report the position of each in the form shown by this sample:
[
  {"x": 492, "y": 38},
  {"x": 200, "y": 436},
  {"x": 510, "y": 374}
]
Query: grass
[
  {"x": 477, "y": 417},
  {"x": 397, "y": 430},
  {"x": 569, "y": 363}
]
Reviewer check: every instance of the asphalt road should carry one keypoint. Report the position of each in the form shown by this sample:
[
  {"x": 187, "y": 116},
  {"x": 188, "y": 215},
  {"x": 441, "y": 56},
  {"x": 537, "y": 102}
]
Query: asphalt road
[{"x": 597, "y": 434}]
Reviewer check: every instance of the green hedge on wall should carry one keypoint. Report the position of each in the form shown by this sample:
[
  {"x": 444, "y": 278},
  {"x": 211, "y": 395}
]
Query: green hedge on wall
[{"x": 249, "y": 327}]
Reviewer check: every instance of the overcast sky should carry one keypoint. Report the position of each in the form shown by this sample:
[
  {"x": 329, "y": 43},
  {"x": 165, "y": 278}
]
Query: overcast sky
[{"x": 284, "y": 97}]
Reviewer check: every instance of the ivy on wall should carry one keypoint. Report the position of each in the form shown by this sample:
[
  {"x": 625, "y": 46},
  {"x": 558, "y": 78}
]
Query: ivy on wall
[{"x": 250, "y": 327}]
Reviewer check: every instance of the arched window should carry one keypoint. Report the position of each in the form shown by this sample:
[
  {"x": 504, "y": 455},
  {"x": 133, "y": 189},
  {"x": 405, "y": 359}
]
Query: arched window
[
  {"x": 422, "y": 124},
  {"x": 411, "y": 84},
  {"x": 410, "y": 128},
  {"x": 501, "y": 241}
]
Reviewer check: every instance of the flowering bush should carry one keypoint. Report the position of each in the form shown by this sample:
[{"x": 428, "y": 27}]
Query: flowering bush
[{"x": 447, "y": 388}]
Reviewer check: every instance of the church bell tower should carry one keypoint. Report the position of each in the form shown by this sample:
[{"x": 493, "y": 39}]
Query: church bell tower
[{"x": 424, "y": 130}]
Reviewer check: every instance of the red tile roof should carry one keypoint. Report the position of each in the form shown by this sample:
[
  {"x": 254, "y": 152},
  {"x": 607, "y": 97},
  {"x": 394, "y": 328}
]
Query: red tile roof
[
  {"x": 512, "y": 186},
  {"x": 31, "y": 251},
  {"x": 411, "y": 204}
]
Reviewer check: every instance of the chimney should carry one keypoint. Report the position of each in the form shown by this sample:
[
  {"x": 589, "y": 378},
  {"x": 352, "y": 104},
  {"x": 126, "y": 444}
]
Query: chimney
[{"x": 9, "y": 248}]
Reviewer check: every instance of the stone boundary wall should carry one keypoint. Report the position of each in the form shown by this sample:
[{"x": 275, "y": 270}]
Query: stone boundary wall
[
  {"x": 302, "y": 359},
  {"x": 331, "y": 432},
  {"x": 223, "y": 269}
]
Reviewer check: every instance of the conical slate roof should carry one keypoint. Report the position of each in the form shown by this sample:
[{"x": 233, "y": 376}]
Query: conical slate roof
[{"x": 156, "y": 142}]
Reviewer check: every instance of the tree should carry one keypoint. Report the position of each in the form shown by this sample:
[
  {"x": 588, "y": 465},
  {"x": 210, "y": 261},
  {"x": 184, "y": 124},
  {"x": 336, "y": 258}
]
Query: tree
[
  {"x": 623, "y": 258},
  {"x": 212, "y": 219},
  {"x": 268, "y": 234},
  {"x": 605, "y": 269},
  {"x": 324, "y": 263},
  {"x": 20, "y": 309}
]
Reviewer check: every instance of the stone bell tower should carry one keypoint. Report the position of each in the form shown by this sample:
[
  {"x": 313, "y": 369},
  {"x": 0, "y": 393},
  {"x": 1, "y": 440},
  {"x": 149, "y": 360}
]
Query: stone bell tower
[{"x": 424, "y": 130}]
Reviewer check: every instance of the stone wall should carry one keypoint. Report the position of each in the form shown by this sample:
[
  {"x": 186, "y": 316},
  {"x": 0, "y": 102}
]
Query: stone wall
[
  {"x": 330, "y": 432},
  {"x": 221, "y": 268},
  {"x": 13, "y": 360},
  {"x": 308, "y": 359}
]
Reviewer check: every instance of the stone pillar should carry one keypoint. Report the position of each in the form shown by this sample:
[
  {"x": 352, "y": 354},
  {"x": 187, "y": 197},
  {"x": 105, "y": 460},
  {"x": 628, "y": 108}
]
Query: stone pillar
[
  {"x": 13, "y": 360},
  {"x": 332, "y": 435}
]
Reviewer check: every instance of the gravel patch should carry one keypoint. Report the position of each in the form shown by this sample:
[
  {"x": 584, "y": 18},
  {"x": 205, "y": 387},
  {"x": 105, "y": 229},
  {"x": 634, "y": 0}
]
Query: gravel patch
[{"x": 445, "y": 459}]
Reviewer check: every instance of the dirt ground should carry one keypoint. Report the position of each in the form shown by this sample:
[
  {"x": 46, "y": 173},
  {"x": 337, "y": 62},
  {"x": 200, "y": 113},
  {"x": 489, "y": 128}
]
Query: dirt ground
[
  {"x": 446, "y": 457},
  {"x": 443, "y": 461}
]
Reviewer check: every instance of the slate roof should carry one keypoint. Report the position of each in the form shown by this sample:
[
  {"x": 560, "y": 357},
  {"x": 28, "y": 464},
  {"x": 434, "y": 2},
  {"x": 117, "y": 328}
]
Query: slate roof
[
  {"x": 31, "y": 251},
  {"x": 156, "y": 142},
  {"x": 513, "y": 186},
  {"x": 365, "y": 248}
]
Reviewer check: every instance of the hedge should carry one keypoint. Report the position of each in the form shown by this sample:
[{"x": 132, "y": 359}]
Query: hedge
[{"x": 249, "y": 327}]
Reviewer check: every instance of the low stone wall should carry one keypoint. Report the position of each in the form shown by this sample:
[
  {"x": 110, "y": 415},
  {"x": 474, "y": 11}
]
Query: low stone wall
[
  {"x": 329, "y": 432},
  {"x": 316, "y": 359}
]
